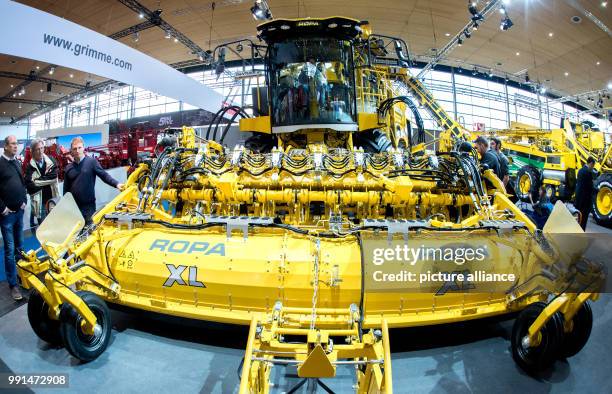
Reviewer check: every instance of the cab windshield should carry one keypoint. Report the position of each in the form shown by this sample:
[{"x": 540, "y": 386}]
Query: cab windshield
[{"x": 312, "y": 82}]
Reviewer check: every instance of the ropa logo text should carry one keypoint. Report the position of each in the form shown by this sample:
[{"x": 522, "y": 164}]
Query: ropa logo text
[{"x": 164, "y": 245}]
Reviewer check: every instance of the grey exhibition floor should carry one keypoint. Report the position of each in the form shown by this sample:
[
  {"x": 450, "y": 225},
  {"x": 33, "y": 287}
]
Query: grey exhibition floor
[{"x": 154, "y": 354}]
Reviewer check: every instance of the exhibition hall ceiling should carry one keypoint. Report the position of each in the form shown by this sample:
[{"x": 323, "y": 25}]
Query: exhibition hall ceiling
[{"x": 566, "y": 55}]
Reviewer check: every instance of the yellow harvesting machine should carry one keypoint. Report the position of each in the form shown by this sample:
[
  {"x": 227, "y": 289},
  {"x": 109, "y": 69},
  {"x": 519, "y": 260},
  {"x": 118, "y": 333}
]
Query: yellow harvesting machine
[
  {"x": 552, "y": 159},
  {"x": 284, "y": 232}
]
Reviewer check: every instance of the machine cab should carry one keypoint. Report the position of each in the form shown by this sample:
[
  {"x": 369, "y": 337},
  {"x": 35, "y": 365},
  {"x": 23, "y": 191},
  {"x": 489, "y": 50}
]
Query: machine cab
[{"x": 311, "y": 73}]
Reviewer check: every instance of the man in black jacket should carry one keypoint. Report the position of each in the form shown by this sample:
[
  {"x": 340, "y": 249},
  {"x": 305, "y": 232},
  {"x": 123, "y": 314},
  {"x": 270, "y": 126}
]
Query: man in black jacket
[
  {"x": 80, "y": 179},
  {"x": 584, "y": 191},
  {"x": 488, "y": 158},
  {"x": 41, "y": 180},
  {"x": 503, "y": 160},
  {"x": 13, "y": 200}
]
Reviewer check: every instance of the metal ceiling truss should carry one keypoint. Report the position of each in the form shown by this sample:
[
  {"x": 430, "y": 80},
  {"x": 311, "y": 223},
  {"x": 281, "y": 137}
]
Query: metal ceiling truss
[
  {"x": 488, "y": 9},
  {"x": 155, "y": 18},
  {"x": 132, "y": 30},
  {"x": 25, "y": 101},
  {"x": 33, "y": 77}
]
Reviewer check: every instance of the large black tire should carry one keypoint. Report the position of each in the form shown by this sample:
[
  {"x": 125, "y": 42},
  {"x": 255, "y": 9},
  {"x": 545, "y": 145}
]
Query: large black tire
[
  {"x": 602, "y": 200},
  {"x": 83, "y": 346},
  {"x": 538, "y": 358},
  {"x": 43, "y": 326},
  {"x": 527, "y": 183},
  {"x": 574, "y": 341}
]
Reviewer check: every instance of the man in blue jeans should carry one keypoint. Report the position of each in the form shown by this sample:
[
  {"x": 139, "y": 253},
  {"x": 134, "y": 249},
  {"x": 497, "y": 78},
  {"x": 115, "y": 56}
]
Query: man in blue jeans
[{"x": 13, "y": 199}]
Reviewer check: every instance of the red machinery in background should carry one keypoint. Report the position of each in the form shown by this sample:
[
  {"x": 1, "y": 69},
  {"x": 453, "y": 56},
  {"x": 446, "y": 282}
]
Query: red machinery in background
[{"x": 124, "y": 148}]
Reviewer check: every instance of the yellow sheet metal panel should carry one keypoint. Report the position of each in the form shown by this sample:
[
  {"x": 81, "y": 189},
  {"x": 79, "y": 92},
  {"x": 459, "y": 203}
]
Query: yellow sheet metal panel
[
  {"x": 261, "y": 124},
  {"x": 367, "y": 121}
]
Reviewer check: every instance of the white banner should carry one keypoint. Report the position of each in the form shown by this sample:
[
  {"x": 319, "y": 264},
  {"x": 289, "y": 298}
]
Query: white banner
[{"x": 30, "y": 33}]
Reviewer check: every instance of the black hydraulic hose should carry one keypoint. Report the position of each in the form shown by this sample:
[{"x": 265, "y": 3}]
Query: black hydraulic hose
[
  {"x": 229, "y": 124},
  {"x": 219, "y": 117},
  {"x": 212, "y": 121}
]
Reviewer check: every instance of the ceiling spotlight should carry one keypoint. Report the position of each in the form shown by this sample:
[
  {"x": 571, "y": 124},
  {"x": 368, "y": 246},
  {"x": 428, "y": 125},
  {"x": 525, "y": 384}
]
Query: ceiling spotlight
[
  {"x": 604, "y": 3},
  {"x": 141, "y": 15},
  {"x": 502, "y": 10},
  {"x": 598, "y": 63},
  {"x": 261, "y": 10},
  {"x": 41, "y": 90},
  {"x": 518, "y": 54},
  {"x": 447, "y": 34},
  {"x": 12, "y": 86},
  {"x": 476, "y": 16},
  {"x": 467, "y": 33},
  {"x": 566, "y": 74},
  {"x": 38, "y": 67},
  {"x": 175, "y": 39},
  {"x": 168, "y": 35},
  {"x": 506, "y": 24},
  {"x": 71, "y": 75},
  {"x": 136, "y": 36},
  {"x": 610, "y": 85},
  {"x": 19, "y": 106},
  {"x": 551, "y": 34},
  {"x": 51, "y": 70},
  {"x": 22, "y": 91}
]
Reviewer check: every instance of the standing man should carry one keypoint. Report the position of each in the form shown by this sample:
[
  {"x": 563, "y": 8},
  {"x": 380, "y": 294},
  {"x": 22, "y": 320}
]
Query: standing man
[
  {"x": 13, "y": 201},
  {"x": 486, "y": 156},
  {"x": 41, "y": 180},
  {"x": 503, "y": 160},
  {"x": 584, "y": 191},
  {"x": 80, "y": 179}
]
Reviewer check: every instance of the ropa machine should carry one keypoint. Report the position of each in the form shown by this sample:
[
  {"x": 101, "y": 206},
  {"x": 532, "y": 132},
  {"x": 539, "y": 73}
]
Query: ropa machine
[{"x": 272, "y": 234}]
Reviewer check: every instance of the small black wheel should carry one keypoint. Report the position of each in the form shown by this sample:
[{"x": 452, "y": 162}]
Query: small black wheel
[
  {"x": 44, "y": 327},
  {"x": 536, "y": 358},
  {"x": 83, "y": 346},
  {"x": 527, "y": 183},
  {"x": 551, "y": 192},
  {"x": 574, "y": 341}
]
